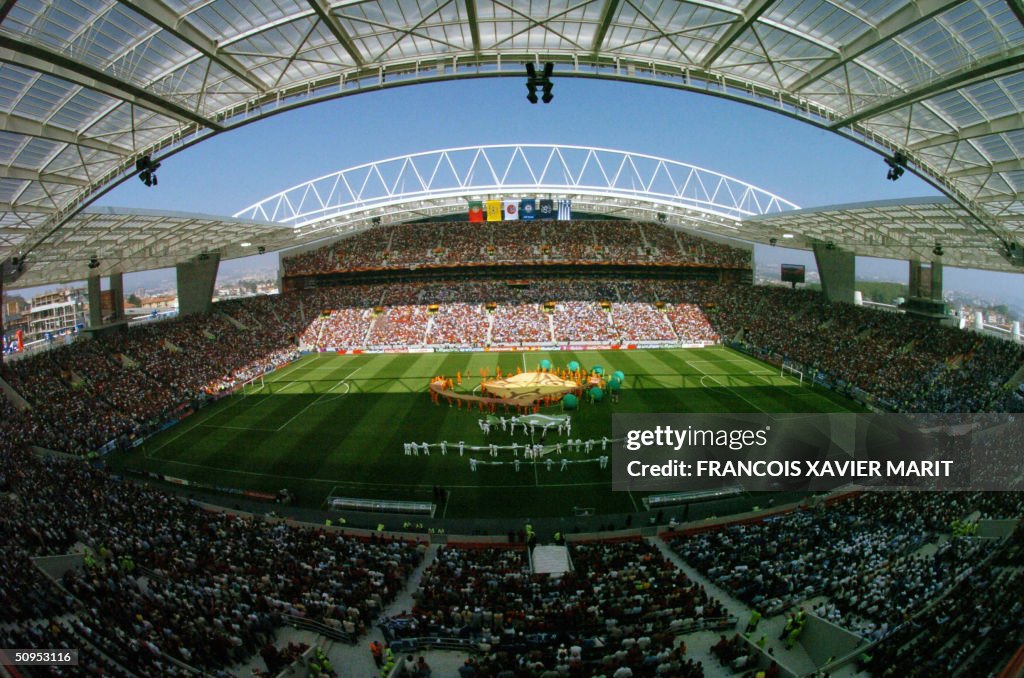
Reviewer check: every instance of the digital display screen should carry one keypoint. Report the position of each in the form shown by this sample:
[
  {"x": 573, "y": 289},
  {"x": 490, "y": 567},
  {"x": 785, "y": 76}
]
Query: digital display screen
[{"x": 792, "y": 273}]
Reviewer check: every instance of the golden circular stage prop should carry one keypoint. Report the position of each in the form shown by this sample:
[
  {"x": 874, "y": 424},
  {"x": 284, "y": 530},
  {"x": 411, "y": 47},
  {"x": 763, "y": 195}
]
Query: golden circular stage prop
[{"x": 529, "y": 387}]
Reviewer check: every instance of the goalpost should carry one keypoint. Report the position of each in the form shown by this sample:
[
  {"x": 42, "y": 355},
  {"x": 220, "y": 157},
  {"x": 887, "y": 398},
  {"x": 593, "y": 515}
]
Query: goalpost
[
  {"x": 793, "y": 372},
  {"x": 254, "y": 385}
]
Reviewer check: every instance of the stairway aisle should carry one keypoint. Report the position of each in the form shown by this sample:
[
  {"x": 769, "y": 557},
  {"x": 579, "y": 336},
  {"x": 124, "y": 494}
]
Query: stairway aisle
[
  {"x": 796, "y": 659},
  {"x": 356, "y": 660}
]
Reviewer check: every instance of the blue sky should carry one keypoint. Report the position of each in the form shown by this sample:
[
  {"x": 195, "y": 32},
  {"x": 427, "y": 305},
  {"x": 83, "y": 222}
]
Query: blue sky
[{"x": 809, "y": 166}]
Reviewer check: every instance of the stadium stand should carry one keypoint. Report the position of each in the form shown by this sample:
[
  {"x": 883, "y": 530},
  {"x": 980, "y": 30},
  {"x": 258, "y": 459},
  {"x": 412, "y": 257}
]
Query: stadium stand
[
  {"x": 973, "y": 628},
  {"x": 622, "y": 606},
  {"x": 164, "y": 580},
  {"x": 459, "y": 244},
  {"x": 862, "y": 555}
]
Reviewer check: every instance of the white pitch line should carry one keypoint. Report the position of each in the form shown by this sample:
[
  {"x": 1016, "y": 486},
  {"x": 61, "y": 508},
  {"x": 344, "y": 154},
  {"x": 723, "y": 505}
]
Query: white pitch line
[
  {"x": 327, "y": 392},
  {"x": 150, "y": 453},
  {"x": 237, "y": 428},
  {"x": 731, "y": 390},
  {"x": 348, "y": 389}
]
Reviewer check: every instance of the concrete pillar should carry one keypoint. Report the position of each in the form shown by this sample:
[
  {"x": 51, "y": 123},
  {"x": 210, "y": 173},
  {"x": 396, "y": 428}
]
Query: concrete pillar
[
  {"x": 936, "y": 290},
  {"x": 117, "y": 296},
  {"x": 196, "y": 280},
  {"x": 858, "y": 298},
  {"x": 913, "y": 277},
  {"x": 1015, "y": 330},
  {"x": 95, "y": 302},
  {"x": 838, "y": 271},
  {"x": 925, "y": 282},
  {"x": 979, "y": 321}
]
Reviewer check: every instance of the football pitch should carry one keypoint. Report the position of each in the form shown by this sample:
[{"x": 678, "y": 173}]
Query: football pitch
[{"x": 332, "y": 424}]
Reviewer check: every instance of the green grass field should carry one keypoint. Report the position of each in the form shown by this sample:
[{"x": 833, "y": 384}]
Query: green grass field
[{"x": 336, "y": 423}]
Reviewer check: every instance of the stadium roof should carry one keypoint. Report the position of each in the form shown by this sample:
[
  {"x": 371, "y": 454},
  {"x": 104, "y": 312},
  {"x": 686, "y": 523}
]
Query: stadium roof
[
  {"x": 127, "y": 240},
  {"x": 87, "y": 87},
  {"x": 895, "y": 229}
]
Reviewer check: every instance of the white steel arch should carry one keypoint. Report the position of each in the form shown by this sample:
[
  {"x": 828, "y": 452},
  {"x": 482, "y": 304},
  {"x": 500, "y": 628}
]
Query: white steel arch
[{"x": 441, "y": 181}]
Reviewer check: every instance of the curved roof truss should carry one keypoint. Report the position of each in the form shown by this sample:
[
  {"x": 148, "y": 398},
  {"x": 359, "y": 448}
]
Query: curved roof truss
[
  {"x": 88, "y": 87},
  {"x": 449, "y": 177}
]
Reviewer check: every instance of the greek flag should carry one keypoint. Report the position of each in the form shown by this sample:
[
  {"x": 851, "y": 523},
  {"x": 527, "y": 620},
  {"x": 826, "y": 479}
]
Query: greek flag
[{"x": 565, "y": 210}]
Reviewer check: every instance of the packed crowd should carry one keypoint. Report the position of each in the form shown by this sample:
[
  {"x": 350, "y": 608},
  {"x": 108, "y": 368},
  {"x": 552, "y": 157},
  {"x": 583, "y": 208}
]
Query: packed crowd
[
  {"x": 620, "y": 606},
  {"x": 398, "y": 326},
  {"x": 689, "y": 321},
  {"x": 582, "y": 321},
  {"x": 875, "y": 603},
  {"x": 459, "y": 323},
  {"x": 976, "y": 627},
  {"x": 640, "y": 321},
  {"x": 519, "y": 323},
  {"x": 165, "y": 580},
  {"x": 478, "y": 313},
  {"x": 861, "y": 554},
  {"x": 901, "y": 360},
  {"x": 452, "y": 244},
  {"x": 121, "y": 386}
]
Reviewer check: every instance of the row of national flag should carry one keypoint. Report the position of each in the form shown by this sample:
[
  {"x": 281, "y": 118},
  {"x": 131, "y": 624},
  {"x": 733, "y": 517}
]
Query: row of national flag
[{"x": 527, "y": 209}]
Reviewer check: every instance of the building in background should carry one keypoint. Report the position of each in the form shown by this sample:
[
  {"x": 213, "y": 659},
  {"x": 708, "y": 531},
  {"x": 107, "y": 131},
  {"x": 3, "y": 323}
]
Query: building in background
[{"x": 56, "y": 313}]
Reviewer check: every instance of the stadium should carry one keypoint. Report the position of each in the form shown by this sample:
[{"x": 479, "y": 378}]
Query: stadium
[{"x": 411, "y": 459}]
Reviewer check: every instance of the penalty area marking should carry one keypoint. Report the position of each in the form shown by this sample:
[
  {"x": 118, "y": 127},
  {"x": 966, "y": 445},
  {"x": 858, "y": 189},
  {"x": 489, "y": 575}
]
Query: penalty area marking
[
  {"x": 348, "y": 389},
  {"x": 729, "y": 389},
  {"x": 327, "y": 392}
]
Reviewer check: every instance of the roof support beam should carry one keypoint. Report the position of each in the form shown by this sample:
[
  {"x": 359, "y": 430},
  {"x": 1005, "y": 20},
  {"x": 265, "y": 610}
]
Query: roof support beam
[
  {"x": 30, "y": 209},
  {"x": 1006, "y": 123},
  {"x": 607, "y": 14},
  {"x": 323, "y": 11},
  {"x": 902, "y": 20},
  {"x": 11, "y": 172},
  {"x": 164, "y": 17},
  {"x": 1018, "y": 9},
  {"x": 36, "y": 58},
  {"x": 743, "y": 22},
  {"x": 1014, "y": 165},
  {"x": 987, "y": 69},
  {"x": 16, "y": 124},
  {"x": 474, "y": 27}
]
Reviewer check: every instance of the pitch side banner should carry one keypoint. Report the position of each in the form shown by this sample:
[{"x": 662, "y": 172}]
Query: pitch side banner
[{"x": 816, "y": 452}]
